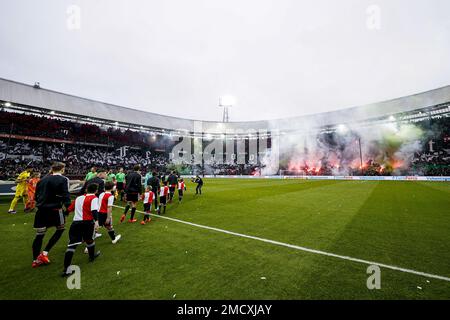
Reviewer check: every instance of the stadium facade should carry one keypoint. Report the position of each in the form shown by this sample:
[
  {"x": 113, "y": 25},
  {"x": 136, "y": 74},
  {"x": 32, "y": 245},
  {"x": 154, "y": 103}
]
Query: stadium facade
[{"x": 65, "y": 104}]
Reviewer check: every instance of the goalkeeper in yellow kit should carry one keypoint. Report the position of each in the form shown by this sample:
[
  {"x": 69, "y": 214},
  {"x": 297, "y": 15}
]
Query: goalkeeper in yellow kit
[{"x": 21, "y": 189}]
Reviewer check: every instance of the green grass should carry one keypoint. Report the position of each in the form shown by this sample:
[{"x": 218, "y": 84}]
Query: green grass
[{"x": 406, "y": 224}]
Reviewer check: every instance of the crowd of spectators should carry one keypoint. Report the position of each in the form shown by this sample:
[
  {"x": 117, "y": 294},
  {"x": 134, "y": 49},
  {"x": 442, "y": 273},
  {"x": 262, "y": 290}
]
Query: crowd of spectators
[
  {"x": 432, "y": 163},
  {"x": 81, "y": 153},
  {"x": 78, "y": 158},
  {"x": 58, "y": 128}
]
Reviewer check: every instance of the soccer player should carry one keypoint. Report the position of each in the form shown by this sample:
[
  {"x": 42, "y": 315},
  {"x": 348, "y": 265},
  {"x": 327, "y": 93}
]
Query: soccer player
[
  {"x": 85, "y": 222},
  {"x": 173, "y": 181},
  {"x": 31, "y": 190},
  {"x": 120, "y": 178},
  {"x": 52, "y": 194},
  {"x": 199, "y": 182},
  {"x": 181, "y": 189},
  {"x": 155, "y": 184},
  {"x": 91, "y": 174},
  {"x": 106, "y": 202},
  {"x": 133, "y": 188},
  {"x": 98, "y": 179},
  {"x": 21, "y": 189},
  {"x": 147, "y": 198},
  {"x": 163, "y": 193}
]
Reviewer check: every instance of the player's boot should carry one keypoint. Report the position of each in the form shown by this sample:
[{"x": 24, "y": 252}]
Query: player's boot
[
  {"x": 65, "y": 273},
  {"x": 122, "y": 218},
  {"x": 116, "y": 239},
  {"x": 12, "y": 211},
  {"x": 43, "y": 258},
  {"x": 132, "y": 220},
  {"x": 36, "y": 263},
  {"x": 143, "y": 222},
  {"x": 96, "y": 255}
]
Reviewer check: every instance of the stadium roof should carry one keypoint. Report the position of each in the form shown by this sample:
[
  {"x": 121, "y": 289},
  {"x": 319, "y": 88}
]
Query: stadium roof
[{"x": 24, "y": 94}]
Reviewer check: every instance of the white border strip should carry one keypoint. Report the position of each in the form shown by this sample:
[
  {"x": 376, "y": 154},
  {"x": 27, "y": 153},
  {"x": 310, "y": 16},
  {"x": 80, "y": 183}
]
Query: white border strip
[{"x": 292, "y": 246}]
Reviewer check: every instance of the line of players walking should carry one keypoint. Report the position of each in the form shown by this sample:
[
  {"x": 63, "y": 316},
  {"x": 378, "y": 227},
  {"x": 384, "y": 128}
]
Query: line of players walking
[
  {"x": 156, "y": 188},
  {"x": 93, "y": 207}
]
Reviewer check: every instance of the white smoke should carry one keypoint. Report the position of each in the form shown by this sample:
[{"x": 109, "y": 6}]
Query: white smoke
[{"x": 391, "y": 144}]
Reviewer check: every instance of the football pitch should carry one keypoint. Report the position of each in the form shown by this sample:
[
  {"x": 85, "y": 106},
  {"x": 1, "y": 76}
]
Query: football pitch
[{"x": 255, "y": 239}]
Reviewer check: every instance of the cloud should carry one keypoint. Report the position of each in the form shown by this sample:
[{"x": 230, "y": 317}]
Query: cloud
[{"x": 278, "y": 58}]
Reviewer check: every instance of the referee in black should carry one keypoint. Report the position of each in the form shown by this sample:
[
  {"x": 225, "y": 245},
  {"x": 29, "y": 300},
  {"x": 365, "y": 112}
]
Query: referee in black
[{"x": 52, "y": 194}]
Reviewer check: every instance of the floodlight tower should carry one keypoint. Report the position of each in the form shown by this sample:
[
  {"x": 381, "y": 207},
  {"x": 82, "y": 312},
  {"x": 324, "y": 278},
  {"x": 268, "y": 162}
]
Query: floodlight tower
[{"x": 225, "y": 102}]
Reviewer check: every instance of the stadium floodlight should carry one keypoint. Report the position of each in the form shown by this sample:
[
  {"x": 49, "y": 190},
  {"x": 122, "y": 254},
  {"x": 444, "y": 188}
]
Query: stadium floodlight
[
  {"x": 52, "y": 112},
  {"x": 392, "y": 123},
  {"x": 225, "y": 102},
  {"x": 7, "y": 104},
  {"x": 342, "y": 128}
]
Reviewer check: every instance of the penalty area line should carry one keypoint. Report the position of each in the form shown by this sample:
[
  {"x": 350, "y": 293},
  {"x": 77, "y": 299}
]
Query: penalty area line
[{"x": 300, "y": 248}]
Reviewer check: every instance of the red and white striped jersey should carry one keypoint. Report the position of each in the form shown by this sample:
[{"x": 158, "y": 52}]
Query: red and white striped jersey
[
  {"x": 181, "y": 185},
  {"x": 84, "y": 205},
  {"x": 164, "y": 191},
  {"x": 105, "y": 200},
  {"x": 148, "y": 197}
]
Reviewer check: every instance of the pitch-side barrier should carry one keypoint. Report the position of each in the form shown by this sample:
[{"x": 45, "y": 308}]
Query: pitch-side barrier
[
  {"x": 365, "y": 178},
  {"x": 9, "y": 187}
]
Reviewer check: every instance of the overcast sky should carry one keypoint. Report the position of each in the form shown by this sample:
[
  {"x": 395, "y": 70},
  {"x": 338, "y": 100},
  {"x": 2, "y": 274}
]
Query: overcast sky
[{"x": 278, "y": 58}]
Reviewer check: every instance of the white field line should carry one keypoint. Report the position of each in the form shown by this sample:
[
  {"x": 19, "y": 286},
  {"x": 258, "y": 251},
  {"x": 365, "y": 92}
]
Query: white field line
[{"x": 292, "y": 246}]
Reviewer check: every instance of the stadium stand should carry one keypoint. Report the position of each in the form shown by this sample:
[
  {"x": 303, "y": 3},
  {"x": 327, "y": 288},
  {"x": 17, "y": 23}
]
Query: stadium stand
[{"x": 404, "y": 136}]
